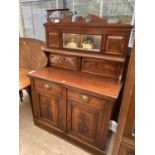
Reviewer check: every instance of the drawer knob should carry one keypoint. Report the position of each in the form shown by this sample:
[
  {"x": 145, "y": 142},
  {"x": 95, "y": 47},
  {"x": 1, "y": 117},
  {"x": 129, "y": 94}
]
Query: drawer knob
[
  {"x": 47, "y": 87},
  {"x": 84, "y": 98}
]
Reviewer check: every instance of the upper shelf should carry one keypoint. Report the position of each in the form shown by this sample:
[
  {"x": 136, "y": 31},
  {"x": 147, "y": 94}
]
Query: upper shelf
[{"x": 82, "y": 54}]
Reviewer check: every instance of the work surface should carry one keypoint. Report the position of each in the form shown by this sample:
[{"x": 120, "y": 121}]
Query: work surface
[
  {"x": 107, "y": 87},
  {"x": 24, "y": 80}
]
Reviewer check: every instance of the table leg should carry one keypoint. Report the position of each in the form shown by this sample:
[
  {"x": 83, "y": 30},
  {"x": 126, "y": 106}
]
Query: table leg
[
  {"x": 28, "y": 89},
  {"x": 21, "y": 95}
]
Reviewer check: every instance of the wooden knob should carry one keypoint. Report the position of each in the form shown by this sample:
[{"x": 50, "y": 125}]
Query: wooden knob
[
  {"x": 84, "y": 98},
  {"x": 47, "y": 87}
]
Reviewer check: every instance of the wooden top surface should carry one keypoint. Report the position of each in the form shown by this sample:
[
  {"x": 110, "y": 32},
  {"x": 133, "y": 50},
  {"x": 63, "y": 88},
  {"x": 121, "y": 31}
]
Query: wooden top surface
[
  {"x": 24, "y": 80},
  {"x": 106, "y": 87}
]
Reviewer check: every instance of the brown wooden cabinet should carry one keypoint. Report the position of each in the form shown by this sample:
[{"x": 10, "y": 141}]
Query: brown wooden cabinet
[
  {"x": 75, "y": 94},
  {"x": 69, "y": 103}
]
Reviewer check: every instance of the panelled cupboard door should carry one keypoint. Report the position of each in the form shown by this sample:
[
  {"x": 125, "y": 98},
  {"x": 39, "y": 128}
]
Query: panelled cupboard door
[
  {"x": 82, "y": 121},
  {"x": 87, "y": 122},
  {"x": 48, "y": 107}
]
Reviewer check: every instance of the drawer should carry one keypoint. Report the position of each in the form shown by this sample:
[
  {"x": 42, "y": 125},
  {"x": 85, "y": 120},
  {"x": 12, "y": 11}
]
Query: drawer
[
  {"x": 101, "y": 67},
  {"x": 63, "y": 61},
  {"x": 48, "y": 86},
  {"x": 86, "y": 99},
  {"x": 116, "y": 45}
]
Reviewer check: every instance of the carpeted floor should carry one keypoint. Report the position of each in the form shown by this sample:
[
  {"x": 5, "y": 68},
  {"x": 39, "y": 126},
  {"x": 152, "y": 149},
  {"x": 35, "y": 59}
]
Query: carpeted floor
[{"x": 35, "y": 141}]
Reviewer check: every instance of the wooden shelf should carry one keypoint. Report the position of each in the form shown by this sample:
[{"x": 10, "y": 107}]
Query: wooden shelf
[{"x": 81, "y": 54}]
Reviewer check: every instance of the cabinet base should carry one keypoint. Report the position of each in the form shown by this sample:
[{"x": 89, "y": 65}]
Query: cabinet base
[{"x": 93, "y": 150}]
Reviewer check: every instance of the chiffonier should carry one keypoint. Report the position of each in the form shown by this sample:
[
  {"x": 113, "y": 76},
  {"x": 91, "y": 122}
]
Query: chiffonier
[{"x": 74, "y": 96}]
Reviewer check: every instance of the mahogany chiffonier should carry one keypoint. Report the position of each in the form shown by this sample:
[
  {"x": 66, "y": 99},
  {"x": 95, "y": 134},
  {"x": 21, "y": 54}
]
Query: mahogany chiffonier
[{"x": 74, "y": 95}]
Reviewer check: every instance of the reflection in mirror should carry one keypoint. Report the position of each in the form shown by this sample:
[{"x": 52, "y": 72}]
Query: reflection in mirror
[{"x": 82, "y": 42}]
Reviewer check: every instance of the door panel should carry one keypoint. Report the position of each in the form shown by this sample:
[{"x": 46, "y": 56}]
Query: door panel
[
  {"x": 84, "y": 123},
  {"x": 48, "y": 107}
]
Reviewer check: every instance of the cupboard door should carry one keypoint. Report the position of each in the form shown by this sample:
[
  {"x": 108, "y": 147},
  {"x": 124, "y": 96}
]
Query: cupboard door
[
  {"x": 82, "y": 122},
  {"x": 87, "y": 120},
  {"x": 48, "y": 107}
]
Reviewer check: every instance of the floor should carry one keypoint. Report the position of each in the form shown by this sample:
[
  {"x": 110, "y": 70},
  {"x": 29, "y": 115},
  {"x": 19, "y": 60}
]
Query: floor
[{"x": 35, "y": 141}]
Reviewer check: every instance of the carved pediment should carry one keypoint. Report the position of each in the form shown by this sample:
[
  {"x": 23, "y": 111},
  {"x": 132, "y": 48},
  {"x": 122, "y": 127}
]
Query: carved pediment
[{"x": 66, "y": 16}]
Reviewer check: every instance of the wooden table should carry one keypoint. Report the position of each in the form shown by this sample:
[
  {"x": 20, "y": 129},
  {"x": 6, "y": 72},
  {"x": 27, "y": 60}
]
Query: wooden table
[{"x": 24, "y": 81}]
